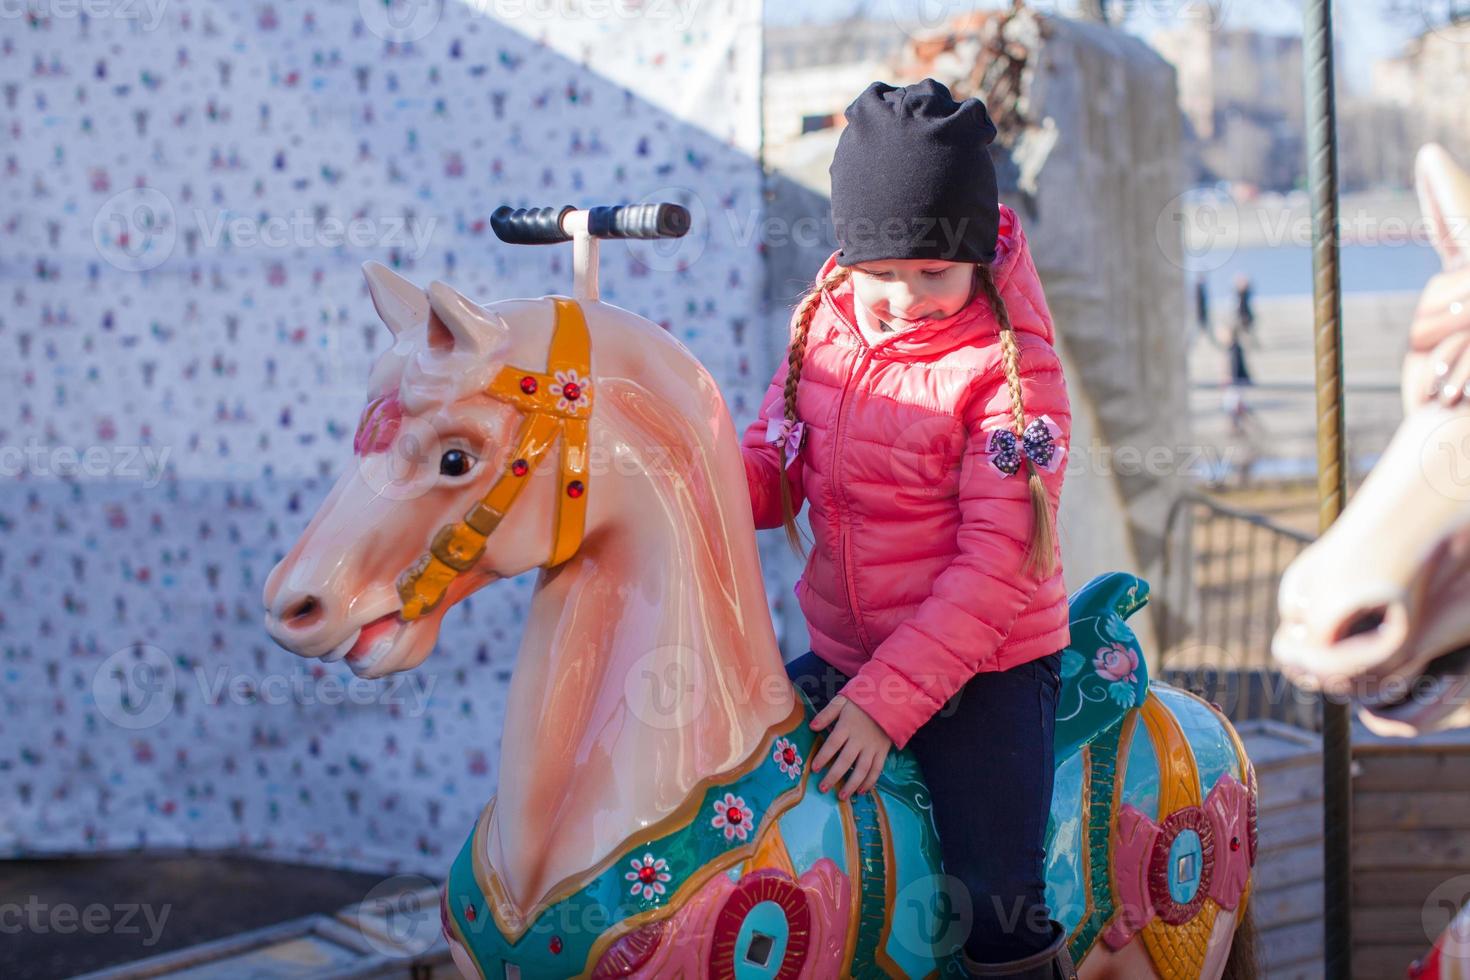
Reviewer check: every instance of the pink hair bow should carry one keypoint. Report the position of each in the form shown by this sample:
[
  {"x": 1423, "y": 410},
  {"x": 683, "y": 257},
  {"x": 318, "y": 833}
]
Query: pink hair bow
[{"x": 785, "y": 432}]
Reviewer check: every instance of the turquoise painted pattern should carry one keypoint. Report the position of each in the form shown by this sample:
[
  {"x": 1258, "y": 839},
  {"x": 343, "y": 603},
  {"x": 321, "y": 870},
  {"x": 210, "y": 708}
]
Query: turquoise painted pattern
[
  {"x": 1141, "y": 780},
  {"x": 1214, "y": 750},
  {"x": 1066, "y": 891},
  {"x": 559, "y": 942},
  {"x": 812, "y": 829},
  {"x": 912, "y": 936}
]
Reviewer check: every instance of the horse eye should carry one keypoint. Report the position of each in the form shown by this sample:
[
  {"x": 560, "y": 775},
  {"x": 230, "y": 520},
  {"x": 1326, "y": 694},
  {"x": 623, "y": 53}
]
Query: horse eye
[{"x": 456, "y": 462}]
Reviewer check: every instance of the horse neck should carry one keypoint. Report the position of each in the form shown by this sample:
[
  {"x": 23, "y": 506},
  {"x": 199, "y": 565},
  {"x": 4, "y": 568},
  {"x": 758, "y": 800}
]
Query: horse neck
[{"x": 648, "y": 664}]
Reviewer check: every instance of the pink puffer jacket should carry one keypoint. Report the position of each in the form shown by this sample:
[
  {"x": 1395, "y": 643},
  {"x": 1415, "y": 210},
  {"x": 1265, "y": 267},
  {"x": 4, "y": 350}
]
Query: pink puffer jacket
[{"x": 915, "y": 583}]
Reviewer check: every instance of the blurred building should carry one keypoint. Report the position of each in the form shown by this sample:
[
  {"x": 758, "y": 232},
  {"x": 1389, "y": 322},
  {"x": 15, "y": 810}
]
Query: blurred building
[
  {"x": 1426, "y": 87},
  {"x": 812, "y": 71},
  {"x": 1243, "y": 102}
]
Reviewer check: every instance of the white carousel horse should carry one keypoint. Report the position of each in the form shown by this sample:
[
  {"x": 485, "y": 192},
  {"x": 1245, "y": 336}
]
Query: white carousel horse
[
  {"x": 1375, "y": 609},
  {"x": 654, "y": 815}
]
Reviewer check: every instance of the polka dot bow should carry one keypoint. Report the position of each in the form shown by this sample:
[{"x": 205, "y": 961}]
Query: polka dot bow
[{"x": 1038, "y": 443}]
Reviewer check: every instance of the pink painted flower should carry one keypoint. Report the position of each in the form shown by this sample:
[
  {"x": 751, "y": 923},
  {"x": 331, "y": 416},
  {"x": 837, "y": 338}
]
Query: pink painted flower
[
  {"x": 1115, "y": 662},
  {"x": 571, "y": 390},
  {"x": 787, "y": 757},
  {"x": 648, "y": 875},
  {"x": 733, "y": 817}
]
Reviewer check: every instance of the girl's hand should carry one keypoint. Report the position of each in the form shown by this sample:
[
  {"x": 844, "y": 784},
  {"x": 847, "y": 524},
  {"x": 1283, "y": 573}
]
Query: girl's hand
[{"x": 858, "y": 742}]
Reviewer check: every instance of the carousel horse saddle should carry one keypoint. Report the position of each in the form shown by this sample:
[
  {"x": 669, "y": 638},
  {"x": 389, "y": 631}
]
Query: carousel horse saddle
[{"x": 1104, "y": 673}]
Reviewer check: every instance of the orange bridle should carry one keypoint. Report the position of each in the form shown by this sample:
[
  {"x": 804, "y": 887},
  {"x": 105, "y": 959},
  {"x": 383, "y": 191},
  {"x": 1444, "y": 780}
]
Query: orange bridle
[{"x": 556, "y": 403}]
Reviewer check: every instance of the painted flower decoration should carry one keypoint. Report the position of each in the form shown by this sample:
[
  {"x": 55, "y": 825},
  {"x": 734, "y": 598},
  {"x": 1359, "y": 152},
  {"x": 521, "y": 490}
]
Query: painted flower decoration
[
  {"x": 648, "y": 876},
  {"x": 1115, "y": 662},
  {"x": 1072, "y": 663},
  {"x": 1123, "y": 694},
  {"x": 786, "y": 756},
  {"x": 733, "y": 817},
  {"x": 1114, "y": 628},
  {"x": 571, "y": 390}
]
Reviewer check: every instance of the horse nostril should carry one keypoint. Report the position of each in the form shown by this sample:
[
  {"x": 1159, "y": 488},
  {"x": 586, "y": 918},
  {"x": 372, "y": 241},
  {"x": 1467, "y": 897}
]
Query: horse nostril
[
  {"x": 304, "y": 612},
  {"x": 1365, "y": 621}
]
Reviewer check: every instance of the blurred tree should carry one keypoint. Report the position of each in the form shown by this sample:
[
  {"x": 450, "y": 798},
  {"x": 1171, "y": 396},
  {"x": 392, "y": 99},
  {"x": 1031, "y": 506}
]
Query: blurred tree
[{"x": 1427, "y": 13}]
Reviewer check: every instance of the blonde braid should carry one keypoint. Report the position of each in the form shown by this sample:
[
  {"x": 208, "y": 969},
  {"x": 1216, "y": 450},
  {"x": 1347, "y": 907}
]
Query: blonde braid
[
  {"x": 806, "y": 310},
  {"x": 1041, "y": 546}
]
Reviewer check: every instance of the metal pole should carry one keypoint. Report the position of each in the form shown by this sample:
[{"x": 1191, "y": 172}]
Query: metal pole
[{"x": 1331, "y": 464}]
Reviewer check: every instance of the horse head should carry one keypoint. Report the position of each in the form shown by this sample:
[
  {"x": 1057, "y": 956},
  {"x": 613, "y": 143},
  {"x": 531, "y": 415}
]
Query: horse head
[
  {"x": 1375, "y": 609},
  {"x": 426, "y": 441},
  {"x": 648, "y": 661}
]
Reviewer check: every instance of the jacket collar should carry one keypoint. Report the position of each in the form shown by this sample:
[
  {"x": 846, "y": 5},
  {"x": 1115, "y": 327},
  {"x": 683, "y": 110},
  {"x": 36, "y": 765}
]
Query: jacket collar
[{"x": 1015, "y": 277}]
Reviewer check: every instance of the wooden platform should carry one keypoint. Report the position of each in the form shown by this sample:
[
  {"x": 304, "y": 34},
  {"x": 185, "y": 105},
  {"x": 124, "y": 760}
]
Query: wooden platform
[
  {"x": 1288, "y": 896},
  {"x": 1411, "y": 846},
  {"x": 388, "y": 936}
]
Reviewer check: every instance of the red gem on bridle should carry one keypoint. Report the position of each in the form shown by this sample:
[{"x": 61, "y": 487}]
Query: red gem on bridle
[{"x": 571, "y": 391}]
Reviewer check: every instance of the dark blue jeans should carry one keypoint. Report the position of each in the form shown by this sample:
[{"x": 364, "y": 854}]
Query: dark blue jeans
[{"x": 987, "y": 757}]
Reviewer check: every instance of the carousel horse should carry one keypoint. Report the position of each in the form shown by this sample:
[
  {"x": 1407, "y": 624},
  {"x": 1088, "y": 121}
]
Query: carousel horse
[
  {"x": 1375, "y": 609},
  {"x": 655, "y": 814}
]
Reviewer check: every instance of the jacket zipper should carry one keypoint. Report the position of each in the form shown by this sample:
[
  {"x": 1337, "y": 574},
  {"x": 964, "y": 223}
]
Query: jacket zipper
[{"x": 843, "y": 524}]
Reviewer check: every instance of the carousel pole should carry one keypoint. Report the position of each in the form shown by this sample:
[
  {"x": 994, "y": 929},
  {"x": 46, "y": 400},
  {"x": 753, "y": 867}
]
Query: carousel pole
[{"x": 1331, "y": 464}]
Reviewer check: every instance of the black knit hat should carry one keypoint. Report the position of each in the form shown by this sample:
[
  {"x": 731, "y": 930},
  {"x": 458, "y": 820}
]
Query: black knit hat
[{"x": 912, "y": 177}]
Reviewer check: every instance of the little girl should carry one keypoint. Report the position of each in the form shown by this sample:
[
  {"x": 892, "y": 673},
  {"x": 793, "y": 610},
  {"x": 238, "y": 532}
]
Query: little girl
[{"x": 923, "y": 416}]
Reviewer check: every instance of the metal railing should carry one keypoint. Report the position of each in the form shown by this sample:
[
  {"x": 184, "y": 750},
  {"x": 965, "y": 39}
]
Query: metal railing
[{"x": 1221, "y": 570}]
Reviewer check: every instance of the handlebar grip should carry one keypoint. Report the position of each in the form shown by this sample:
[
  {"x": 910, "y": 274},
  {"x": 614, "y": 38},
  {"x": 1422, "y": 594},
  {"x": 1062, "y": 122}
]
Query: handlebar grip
[
  {"x": 542, "y": 226},
  {"x": 529, "y": 226},
  {"x": 639, "y": 221}
]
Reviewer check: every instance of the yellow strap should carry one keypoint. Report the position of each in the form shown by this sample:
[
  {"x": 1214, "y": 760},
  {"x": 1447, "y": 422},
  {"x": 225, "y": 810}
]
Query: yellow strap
[
  {"x": 552, "y": 409},
  {"x": 571, "y": 512},
  {"x": 571, "y": 346}
]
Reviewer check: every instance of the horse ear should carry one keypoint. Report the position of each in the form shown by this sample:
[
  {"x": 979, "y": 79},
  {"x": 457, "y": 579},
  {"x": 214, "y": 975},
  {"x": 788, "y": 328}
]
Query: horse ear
[
  {"x": 399, "y": 302},
  {"x": 459, "y": 324},
  {"x": 1444, "y": 198}
]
